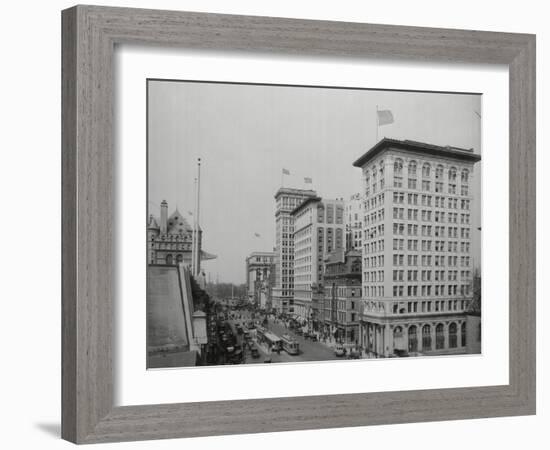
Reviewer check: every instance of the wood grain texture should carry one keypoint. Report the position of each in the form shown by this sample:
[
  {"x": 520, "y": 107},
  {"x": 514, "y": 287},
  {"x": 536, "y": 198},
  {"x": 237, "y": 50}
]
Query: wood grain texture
[{"x": 89, "y": 36}]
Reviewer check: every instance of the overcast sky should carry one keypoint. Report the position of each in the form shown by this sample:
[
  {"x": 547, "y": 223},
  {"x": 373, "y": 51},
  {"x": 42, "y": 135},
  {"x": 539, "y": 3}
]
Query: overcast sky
[{"x": 246, "y": 134}]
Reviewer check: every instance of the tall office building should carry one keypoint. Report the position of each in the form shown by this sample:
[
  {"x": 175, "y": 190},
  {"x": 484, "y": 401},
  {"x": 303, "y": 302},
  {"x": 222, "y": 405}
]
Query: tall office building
[
  {"x": 353, "y": 219},
  {"x": 318, "y": 230},
  {"x": 286, "y": 199},
  {"x": 417, "y": 247}
]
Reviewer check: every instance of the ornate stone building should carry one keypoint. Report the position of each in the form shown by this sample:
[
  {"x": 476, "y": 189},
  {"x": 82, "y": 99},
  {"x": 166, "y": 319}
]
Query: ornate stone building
[
  {"x": 170, "y": 239},
  {"x": 342, "y": 295},
  {"x": 417, "y": 250},
  {"x": 260, "y": 278}
]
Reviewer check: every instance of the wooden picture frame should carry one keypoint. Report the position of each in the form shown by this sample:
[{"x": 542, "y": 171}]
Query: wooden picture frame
[{"x": 89, "y": 37}]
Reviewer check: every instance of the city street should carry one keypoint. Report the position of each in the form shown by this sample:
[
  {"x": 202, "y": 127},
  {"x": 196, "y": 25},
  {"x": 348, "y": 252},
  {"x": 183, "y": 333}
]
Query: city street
[{"x": 309, "y": 350}]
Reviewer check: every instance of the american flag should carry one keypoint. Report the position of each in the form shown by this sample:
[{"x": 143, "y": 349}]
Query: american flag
[
  {"x": 286, "y": 172},
  {"x": 308, "y": 180},
  {"x": 385, "y": 117}
]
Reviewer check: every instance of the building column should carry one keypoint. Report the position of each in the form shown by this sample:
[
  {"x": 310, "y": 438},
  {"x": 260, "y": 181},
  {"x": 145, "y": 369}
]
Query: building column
[
  {"x": 388, "y": 344},
  {"x": 446, "y": 335},
  {"x": 419, "y": 336},
  {"x": 432, "y": 332}
]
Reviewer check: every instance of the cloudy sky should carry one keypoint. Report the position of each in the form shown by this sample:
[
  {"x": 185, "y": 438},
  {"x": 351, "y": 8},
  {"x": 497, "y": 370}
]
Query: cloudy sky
[{"x": 246, "y": 134}]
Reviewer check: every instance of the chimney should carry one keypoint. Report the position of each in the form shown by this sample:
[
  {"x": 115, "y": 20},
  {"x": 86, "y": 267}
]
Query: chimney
[{"x": 163, "y": 217}]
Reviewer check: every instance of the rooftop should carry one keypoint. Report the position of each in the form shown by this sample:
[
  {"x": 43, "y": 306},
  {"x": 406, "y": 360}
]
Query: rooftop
[
  {"x": 261, "y": 254},
  {"x": 339, "y": 255},
  {"x": 464, "y": 154},
  {"x": 307, "y": 201},
  {"x": 295, "y": 191}
]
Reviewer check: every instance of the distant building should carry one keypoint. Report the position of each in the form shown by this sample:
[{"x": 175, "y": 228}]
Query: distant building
[
  {"x": 286, "y": 199},
  {"x": 318, "y": 230},
  {"x": 353, "y": 219},
  {"x": 170, "y": 239},
  {"x": 417, "y": 253},
  {"x": 342, "y": 296},
  {"x": 260, "y": 278}
]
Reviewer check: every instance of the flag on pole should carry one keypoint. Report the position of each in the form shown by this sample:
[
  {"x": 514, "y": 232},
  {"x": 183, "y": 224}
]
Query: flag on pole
[
  {"x": 190, "y": 213},
  {"x": 257, "y": 234},
  {"x": 286, "y": 172},
  {"x": 308, "y": 180},
  {"x": 385, "y": 117}
]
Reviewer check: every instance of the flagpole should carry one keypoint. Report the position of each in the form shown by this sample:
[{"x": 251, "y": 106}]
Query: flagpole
[
  {"x": 478, "y": 123},
  {"x": 198, "y": 256},
  {"x": 194, "y": 234},
  {"x": 376, "y": 142}
]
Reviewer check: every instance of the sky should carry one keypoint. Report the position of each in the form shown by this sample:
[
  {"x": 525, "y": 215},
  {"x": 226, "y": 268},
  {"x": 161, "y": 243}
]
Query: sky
[{"x": 246, "y": 134}]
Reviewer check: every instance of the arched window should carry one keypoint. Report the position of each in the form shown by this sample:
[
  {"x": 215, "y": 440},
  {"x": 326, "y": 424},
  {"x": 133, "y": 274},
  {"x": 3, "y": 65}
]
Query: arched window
[
  {"x": 439, "y": 171},
  {"x": 381, "y": 168},
  {"x": 398, "y": 167},
  {"x": 452, "y": 335},
  {"x": 374, "y": 174},
  {"x": 412, "y": 169},
  {"x": 452, "y": 174},
  {"x": 426, "y": 170},
  {"x": 439, "y": 336},
  {"x": 464, "y": 175},
  {"x": 463, "y": 334},
  {"x": 426, "y": 337},
  {"x": 398, "y": 343},
  {"x": 169, "y": 260},
  {"x": 413, "y": 339}
]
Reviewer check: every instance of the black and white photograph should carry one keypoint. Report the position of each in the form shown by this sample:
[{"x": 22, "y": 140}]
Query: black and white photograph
[{"x": 290, "y": 224}]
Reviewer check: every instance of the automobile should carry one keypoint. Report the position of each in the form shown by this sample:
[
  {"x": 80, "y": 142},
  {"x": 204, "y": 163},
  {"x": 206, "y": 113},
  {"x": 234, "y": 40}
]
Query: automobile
[
  {"x": 267, "y": 360},
  {"x": 313, "y": 337},
  {"x": 339, "y": 350},
  {"x": 237, "y": 357},
  {"x": 354, "y": 354},
  {"x": 254, "y": 352},
  {"x": 299, "y": 331}
]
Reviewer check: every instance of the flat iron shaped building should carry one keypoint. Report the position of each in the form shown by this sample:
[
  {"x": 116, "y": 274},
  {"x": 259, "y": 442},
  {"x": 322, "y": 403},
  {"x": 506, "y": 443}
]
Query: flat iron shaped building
[{"x": 417, "y": 272}]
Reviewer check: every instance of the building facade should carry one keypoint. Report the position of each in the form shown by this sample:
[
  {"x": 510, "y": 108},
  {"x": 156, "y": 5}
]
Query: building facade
[
  {"x": 342, "y": 296},
  {"x": 417, "y": 252},
  {"x": 286, "y": 199},
  {"x": 354, "y": 222},
  {"x": 318, "y": 230},
  {"x": 260, "y": 277},
  {"x": 170, "y": 239}
]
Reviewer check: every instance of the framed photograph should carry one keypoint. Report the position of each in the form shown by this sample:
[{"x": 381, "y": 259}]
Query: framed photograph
[{"x": 335, "y": 219}]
